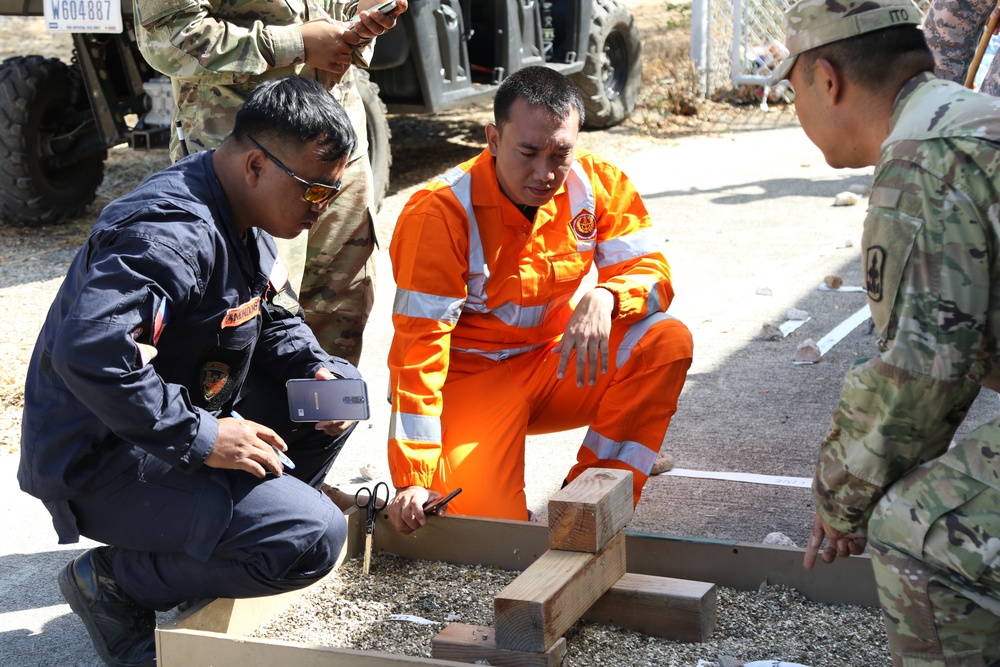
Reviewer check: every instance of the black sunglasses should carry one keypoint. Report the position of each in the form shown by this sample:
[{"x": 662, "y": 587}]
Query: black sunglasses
[{"x": 316, "y": 193}]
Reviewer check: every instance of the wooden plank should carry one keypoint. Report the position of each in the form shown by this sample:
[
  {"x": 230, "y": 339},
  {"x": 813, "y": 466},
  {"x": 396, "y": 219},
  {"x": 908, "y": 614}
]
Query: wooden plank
[
  {"x": 535, "y": 609},
  {"x": 675, "y": 609},
  {"x": 193, "y": 648},
  {"x": 477, "y": 644},
  {"x": 590, "y": 510},
  {"x": 514, "y": 545}
]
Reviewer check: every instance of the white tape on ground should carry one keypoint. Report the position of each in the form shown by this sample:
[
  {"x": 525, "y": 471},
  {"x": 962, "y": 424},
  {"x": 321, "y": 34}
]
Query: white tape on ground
[
  {"x": 774, "y": 480},
  {"x": 842, "y": 329}
]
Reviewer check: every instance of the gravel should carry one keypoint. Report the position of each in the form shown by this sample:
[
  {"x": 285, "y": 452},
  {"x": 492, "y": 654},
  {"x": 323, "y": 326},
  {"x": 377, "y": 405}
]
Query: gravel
[{"x": 350, "y": 610}]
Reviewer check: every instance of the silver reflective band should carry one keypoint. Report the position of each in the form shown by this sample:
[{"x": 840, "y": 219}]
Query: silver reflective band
[
  {"x": 427, "y": 306},
  {"x": 623, "y": 248},
  {"x": 419, "y": 428},
  {"x": 632, "y": 453}
]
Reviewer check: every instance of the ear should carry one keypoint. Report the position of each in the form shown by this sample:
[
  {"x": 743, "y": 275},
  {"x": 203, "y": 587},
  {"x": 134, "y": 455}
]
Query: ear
[
  {"x": 493, "y": 138},
  {"x": 253, "y": 168},
  {"x": 829, "y": 81}
]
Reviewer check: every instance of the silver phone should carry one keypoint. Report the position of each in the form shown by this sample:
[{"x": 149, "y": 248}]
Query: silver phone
[{"x": 340, "y": 399}]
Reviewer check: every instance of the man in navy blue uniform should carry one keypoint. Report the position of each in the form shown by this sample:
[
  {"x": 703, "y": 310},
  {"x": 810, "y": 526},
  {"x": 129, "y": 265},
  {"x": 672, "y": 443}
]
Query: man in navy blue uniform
[{"x": 155, "y": 401}]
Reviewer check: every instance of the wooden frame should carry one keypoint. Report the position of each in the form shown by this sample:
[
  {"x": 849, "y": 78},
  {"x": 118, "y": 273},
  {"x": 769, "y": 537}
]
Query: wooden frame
[{"x": 215, "y": 634}]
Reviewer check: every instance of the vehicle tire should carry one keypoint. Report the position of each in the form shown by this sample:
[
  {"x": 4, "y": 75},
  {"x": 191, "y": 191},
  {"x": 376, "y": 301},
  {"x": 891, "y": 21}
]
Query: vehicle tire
[
  {"x": 613, "y": 71},
  {"x": 379, "y": 152},
  {"x": 41, "y": 100}
]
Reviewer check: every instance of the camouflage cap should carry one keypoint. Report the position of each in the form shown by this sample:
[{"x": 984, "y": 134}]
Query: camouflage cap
[{"x": 812, "y": 23}]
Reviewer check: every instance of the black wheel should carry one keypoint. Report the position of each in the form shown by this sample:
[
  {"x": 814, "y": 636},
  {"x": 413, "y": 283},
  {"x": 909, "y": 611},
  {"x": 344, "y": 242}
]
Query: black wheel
[
  {"x": 47, "y": 173},
  {"x": 611, "y": 76},
  {"x": 379, "y": 134}
]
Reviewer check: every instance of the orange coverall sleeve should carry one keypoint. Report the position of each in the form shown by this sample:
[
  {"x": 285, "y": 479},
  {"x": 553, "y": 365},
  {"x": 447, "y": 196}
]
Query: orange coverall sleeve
[
  {"x": 629, "y": 263},
  {"x": 429, "y": 253}
]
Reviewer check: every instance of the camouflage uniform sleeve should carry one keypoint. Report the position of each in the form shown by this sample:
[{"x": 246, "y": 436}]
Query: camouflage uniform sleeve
[
  {"x": 928, "y": 280},
  {"x": 194, "y": 39}
]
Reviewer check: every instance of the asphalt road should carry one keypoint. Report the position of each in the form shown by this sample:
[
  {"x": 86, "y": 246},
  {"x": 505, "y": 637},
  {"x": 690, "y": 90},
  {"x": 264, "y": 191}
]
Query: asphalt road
[{"x": 747, "y": 223}]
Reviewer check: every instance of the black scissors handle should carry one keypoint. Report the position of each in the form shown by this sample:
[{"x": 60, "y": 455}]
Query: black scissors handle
[{"x": 373, "y": 504}]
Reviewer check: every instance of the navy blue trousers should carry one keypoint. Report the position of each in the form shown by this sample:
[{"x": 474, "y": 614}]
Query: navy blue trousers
[{"x": 221, "y": 533}]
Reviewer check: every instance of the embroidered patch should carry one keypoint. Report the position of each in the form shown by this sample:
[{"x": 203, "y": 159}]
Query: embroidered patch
[
  {"x": 213, "y": 379},
  {"x": 240, "y": 314},
  {"x": 584, "y": 226},
  {"x": 874, "y": 270}
]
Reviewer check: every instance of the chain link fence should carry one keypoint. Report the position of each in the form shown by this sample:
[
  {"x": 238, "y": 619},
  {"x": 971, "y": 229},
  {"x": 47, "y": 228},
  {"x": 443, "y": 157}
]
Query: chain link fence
[{"x": 732, "y": 42}]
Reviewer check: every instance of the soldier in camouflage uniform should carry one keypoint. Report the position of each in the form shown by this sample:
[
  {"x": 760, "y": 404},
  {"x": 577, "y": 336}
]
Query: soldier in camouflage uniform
[
  {"x": 953, "y": 29},
  {"x": 216, "y": 52},
  {"x": 865, "y": 95}
]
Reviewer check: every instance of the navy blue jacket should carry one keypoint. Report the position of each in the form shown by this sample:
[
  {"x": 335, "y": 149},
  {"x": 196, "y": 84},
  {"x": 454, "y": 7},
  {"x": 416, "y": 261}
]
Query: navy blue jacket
[{"x": 150, "y": 336}]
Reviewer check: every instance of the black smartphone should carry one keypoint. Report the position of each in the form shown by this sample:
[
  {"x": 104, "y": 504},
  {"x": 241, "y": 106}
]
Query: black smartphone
[
  {"x": 340, "y": 399},
  {"x": 433, "y": 509}
]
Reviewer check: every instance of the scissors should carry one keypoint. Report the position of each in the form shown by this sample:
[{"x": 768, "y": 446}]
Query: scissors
[{"x": 372, "y": 505}]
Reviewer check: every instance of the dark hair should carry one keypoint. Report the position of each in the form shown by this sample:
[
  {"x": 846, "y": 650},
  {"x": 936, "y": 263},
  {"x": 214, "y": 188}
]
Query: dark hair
[
  {"x": 297, "y": 110},
  {"x": 540, "y": 87},
  {"x": 878, "y": 60}
]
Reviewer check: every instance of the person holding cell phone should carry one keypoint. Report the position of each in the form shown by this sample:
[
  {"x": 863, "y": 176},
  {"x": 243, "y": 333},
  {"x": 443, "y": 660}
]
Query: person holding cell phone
[
  {"x": 215, "y": 54},
  {"x": 155, "y": 415}
]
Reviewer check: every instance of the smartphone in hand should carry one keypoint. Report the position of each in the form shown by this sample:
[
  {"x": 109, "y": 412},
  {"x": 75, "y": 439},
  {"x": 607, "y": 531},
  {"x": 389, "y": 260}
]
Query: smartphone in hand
[
  {"x": 440, "y": 503},
  {"x": 339, "y": 399}
]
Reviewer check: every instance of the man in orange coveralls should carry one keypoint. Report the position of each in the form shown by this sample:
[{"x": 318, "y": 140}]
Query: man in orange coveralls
[{"x": 487, "y": 260}]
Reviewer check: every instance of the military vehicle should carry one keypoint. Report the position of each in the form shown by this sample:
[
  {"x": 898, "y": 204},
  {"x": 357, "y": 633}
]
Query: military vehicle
[{"x": 60, "y": 119}]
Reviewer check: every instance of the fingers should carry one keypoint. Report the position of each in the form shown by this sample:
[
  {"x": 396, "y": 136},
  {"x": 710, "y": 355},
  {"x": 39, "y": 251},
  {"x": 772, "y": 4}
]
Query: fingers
[
  {"x": 406, "y": 511},
  {"x": 334, "y": 428},
  {"x": 816, "y": 538}
]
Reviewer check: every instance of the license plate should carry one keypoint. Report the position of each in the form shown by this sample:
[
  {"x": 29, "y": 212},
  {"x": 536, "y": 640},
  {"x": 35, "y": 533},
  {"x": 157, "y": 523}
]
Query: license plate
[{"x": 83, "y": 15}]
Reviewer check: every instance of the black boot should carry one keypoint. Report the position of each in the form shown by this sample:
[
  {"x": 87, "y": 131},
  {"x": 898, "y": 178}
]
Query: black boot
[{"x": 121, "y": 630}]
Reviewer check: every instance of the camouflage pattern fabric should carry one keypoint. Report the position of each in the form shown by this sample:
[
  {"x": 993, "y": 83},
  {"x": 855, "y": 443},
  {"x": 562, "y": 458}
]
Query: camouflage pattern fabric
[
  {"x": 216, "y": 52},
  {"x": 953, "y": 30},
  {"x": 931, "y": 253}
]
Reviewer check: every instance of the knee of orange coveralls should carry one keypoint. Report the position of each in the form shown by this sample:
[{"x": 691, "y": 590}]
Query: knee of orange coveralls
[{"x": 656, "y": 340}]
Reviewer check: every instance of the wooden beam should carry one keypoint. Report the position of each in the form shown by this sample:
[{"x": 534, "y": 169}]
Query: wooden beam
[
  {"x": 590, "y": 510},
  {"x": 676, "y": 609},
  {"x": 478, "y": 644},
  {"x": 535, "y": 609},
  {"x": 184, "y": 648}
]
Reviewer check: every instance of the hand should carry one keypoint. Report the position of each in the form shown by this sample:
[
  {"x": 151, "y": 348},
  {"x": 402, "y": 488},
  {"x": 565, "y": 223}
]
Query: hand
[
  {"x": 245, "y": 445},
  {"x": 369, "y": 24},
  {"x": 328, "y": 44},
  {"x": 331, "y": 428},
  {"x": 406, "y": 510},
  {"x": 838, "y": 543},
  {"x": 587, "y": 334}
]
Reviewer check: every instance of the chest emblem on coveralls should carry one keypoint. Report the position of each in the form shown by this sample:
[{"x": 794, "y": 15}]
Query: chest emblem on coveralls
[
  {"x": 874, "y": 270},
  {"x": 584, "y": 226},
  {"x": 213, "y": 379}
]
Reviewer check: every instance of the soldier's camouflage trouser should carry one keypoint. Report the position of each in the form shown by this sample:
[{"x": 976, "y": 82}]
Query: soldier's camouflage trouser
[
  {"x": 953, "y": 29},
  {"x": 935, "y": 545},
  {"x": 336, "y": 260}
]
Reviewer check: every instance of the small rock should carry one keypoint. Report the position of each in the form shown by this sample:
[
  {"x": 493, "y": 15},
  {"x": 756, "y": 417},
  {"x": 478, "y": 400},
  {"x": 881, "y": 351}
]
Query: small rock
[
  {"x": 860, "y": 189},
  {"x": 807, "y": 352},
  {"x": 846, "y": 199},
  {"x": 764, "y": 291},
  {"x": 664, "y": 462},
  {"x": 797, "y": 315},
  {"x": 846, "y": 243},
  {"x": 370, "y": 471},
  {"x": 770, "y": 332},
  {"x": 779, "y": 539},
  {"x": 729, "y": 661},
  {"x": 833, "y": 282}
]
